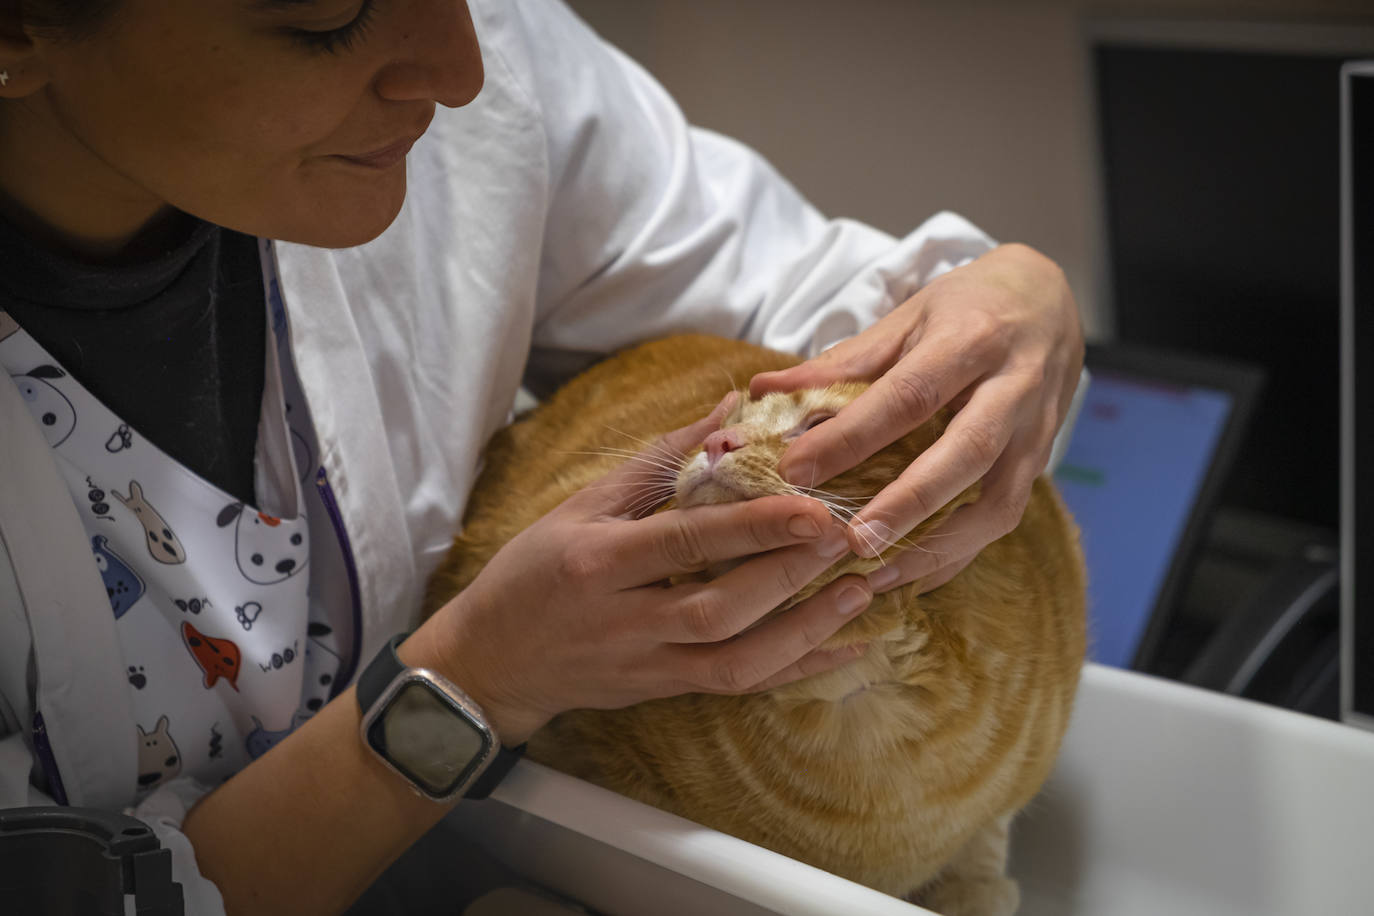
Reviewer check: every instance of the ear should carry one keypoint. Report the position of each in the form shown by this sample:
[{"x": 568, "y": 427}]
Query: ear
[
  {"x": 22, "y": 60},
  {"x": 228, "y": 514},
  {"x": 162, "y": 724},
  {"x": 135, "y": 492}
]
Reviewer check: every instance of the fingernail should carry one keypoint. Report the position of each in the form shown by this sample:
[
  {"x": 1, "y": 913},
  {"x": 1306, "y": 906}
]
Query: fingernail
[
  {"x": 870, "y": 541},
  {"x": 803, "y": 526},
  {"x": 884, "y": 578},
  {"x": 852, "y": 600},
  {"x": 833, "y": 544}
]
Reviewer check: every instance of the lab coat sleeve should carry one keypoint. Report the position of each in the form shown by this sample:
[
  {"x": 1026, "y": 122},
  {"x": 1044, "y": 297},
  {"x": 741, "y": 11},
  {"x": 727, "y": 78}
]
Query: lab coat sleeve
[{"x": 656, "y": 227}]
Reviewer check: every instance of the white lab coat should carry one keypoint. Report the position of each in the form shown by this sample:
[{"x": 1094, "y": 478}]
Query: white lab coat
[{"x": 565, "y": 213}]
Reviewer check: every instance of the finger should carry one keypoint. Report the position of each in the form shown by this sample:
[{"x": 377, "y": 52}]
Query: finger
[
  {"x": 864, "y": 356},
  {"x": 932, "y": 565},
  {"x": 718, "y": 610},
  {"x": 966, "y": 451},
  {"x": 942, "y": 554},
  {"x": 817, "y": 661},
  {"x": 776, "y": 647},
  {"x": 943, "y": 575},
  {"x": 627, "y": 486},
  {"x": 898, "y": 402},
  {"x": 690, "y": 540}
]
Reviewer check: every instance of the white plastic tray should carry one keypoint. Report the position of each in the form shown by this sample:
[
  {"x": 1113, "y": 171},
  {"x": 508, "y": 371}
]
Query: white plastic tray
[{"x": 1166, "y": 800}]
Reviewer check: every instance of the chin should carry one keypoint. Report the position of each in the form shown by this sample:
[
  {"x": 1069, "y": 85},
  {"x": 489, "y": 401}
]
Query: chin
[{"x": 345, "y": 215}]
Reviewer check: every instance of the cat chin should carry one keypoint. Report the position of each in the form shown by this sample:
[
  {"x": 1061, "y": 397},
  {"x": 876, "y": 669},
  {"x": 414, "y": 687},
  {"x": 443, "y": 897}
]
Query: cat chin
[{"x": 707, "y": 492}]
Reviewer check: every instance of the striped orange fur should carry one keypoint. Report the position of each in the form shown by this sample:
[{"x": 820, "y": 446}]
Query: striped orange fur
[{"x": 901, "y": 770}]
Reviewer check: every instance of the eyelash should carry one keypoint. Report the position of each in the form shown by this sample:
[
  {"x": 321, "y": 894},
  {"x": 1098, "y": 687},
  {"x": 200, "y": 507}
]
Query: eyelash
[{"x": 343, "y": 38}]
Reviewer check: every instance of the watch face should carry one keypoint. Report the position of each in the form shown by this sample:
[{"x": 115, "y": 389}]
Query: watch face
[{"x": 429, "y": 738}]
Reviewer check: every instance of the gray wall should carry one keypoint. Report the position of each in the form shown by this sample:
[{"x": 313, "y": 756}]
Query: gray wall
[{"x": 887, "y": 110}]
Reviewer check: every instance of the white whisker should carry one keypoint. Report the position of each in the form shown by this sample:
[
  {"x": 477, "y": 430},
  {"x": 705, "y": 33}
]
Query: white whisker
[
  {"x": 665, "y": 464},
  {"x": 652, "y": 446}
]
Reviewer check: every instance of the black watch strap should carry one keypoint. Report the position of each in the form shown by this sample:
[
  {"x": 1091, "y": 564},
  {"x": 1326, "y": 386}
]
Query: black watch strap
[{"x": 382, "y": 670}]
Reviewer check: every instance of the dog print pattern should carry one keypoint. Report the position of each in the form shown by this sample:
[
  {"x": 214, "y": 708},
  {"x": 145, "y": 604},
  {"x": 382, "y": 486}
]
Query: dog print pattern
[
  {"x": 49, "y": 406},
  {"x": 122, "y": 584},
  {"x": 163, "y": 545},
  {"x": 158, "y": 757},
  {"x": 265, "y": 550},
  {"x": 216, "y": 657},
  {"x": 220, "y": 567}
]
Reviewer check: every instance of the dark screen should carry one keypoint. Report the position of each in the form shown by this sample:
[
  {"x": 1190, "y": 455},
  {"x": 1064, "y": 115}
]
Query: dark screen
[
  {"x": 1362, "y": 263},
  {"x": 1222, "y": 189}
]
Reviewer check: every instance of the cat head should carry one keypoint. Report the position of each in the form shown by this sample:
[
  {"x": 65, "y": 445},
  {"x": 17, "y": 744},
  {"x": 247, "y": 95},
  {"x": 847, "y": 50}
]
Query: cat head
[{"x": 740, "y": 461}]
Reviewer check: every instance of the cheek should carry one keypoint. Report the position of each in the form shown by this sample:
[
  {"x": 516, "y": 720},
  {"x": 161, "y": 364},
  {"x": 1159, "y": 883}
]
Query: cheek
[{"x": 231, "y": 140}]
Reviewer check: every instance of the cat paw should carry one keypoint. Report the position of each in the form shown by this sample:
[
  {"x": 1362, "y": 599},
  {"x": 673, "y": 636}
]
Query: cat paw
[{"x": 971, "y": 897}]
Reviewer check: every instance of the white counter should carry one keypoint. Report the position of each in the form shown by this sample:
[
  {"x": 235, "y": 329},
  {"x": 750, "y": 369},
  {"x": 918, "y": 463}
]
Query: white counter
[{"x": 1166, "y": 800}]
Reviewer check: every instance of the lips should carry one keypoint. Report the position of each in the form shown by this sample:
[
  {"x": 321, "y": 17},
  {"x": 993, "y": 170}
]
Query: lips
[{"x": 385, "y": 157}]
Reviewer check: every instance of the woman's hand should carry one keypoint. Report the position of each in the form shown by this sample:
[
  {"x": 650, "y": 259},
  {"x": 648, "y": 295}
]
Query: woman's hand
[
  {"x": 1000, "y": 339},
  {"x": 575, "y": 611}
]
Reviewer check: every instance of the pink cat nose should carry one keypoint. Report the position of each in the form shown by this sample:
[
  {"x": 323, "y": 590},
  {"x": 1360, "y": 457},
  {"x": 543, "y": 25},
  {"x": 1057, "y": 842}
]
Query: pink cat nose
[{"x": 722, "y": 441}]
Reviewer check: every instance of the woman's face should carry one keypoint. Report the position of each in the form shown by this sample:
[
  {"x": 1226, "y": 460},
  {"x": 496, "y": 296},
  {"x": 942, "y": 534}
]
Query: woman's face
[{"x": 288, "y": 119}]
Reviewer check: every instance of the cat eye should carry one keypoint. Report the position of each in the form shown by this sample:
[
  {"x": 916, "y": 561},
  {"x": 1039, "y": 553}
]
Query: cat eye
[{"x": 808, "y": 424}]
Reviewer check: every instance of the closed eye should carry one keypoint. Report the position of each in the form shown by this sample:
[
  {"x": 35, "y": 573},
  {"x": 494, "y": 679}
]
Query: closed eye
[
  {"x": 810, "y": 423},
  {"x": 332, "y": 41}
]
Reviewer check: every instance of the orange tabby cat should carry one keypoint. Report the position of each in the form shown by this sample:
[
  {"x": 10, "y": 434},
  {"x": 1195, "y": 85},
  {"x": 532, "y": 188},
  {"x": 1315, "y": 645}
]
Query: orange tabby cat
[{"x": 902, "y": 769}]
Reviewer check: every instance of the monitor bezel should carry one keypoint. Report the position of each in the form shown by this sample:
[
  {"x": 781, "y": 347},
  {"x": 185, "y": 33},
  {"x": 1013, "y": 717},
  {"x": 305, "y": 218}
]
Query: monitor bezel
[
  {"x": 1349, "y": 72},
  {"x": 1242, "y": 383}
]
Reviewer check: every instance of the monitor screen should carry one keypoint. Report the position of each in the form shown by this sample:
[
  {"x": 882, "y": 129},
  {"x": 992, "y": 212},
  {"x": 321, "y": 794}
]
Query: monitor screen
[
  {"x": 1132, "y": 476},
  {"x": 1357, "y": 393}
]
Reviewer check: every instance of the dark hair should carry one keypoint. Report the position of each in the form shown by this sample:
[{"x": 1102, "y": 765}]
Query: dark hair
[{"x": 66, "y": 19}]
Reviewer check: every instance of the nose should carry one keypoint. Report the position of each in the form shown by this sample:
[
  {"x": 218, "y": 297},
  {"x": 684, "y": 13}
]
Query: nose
[
  {"x": 439, "y": 58},
  {"x": 285, "y": 566},
  {"x": 721, "y": 442}
]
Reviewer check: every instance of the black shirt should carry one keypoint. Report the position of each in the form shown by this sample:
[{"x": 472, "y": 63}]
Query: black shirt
[{"x": 174, "y": 345}]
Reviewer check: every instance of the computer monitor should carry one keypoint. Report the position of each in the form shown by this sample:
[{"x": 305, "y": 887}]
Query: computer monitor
[
  {"x": 1357, "y": 393},
  {"x": 1154, "y": 440},
  {"x": 1219, "y": 147}
]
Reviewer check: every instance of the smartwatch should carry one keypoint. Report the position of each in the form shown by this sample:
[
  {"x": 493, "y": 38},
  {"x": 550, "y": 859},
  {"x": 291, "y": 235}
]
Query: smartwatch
[{"x": 428, "y": 731}]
